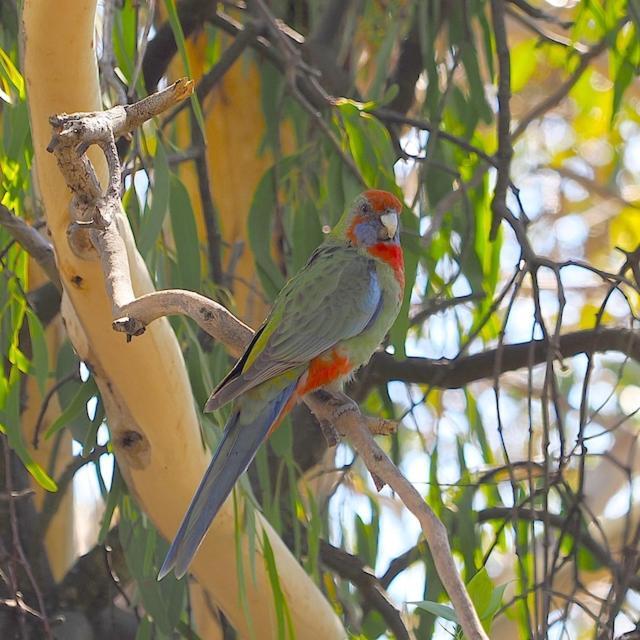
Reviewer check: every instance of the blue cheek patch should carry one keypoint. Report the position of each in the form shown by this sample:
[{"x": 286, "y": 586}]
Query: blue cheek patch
[{"x": 365, "y": 233}]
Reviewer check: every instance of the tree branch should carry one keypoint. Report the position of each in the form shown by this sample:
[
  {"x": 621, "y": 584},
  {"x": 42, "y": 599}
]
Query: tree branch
[
  {"x": 539, "y": 14},
  {"x": 160, "y": 50},
  {"x": 32, "y": 242},
  {"x": 345, "y": 415},
  {"x": 145, "y": 385},
  {"x": 98, "y": 212},
  {"x": 456, "y": 373},
  {"x": 352, "y": 568},
  {"x": 505, "y": 148}
]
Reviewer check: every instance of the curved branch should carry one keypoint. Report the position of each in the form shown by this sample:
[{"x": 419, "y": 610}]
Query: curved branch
[{"x": 99, "y": 212}]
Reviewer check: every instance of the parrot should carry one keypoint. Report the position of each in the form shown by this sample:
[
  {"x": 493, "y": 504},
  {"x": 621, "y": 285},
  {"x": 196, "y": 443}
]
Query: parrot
[{"x": 325, "y": 323}]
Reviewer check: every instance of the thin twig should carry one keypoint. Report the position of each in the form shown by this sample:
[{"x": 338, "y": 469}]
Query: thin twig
[
  {"x": 562, "y": 91},
  {"x": 387, "y": 115},
  {"x": 73, "y": 375},
  {"x": 539, "y": 14},
  {"x": 107, "y": 62}
]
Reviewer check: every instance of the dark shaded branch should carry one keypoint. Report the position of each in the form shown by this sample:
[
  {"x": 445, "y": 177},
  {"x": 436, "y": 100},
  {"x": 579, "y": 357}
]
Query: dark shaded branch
[
  {"x": 19, "y": 535},
  {"x": 352, "y": 568},
  {"x": 539, "y": 14},
  {"x": 393, "y": 117},
  {"x": 88, "y": 586},
  {"x": 212, "y": 228},
  {"x": 329, "y": 25},
  {"x": 579, "y": 533},
  {"x": 505, "y": 149},
  {"x": 402, "y": 562},
  {"x": 45, "y": 301},
  {"x": 208, "y": 82},
  {"x": 322, "y": 47},
  {"x": 32, "y": 242},
  {"x": 160, "y": 50},
  {"x": 407, "y": 70},
  {"x": 452, "y": 374}
]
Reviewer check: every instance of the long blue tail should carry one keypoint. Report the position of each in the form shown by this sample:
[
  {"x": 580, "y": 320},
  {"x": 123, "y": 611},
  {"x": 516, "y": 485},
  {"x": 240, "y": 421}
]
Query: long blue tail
[{"x": 239, "y": 444}]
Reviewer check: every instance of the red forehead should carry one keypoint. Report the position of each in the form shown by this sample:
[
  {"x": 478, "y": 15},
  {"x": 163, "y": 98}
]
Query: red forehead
[{"x": 382, "y": 200}]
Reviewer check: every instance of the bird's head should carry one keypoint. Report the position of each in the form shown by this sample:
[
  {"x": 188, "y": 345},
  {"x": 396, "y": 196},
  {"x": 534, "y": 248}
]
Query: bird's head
[{"x": 373, "y": 218}]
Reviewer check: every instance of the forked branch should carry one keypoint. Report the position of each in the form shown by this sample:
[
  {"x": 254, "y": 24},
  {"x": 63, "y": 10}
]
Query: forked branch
[{"x": 95, "y": 234}]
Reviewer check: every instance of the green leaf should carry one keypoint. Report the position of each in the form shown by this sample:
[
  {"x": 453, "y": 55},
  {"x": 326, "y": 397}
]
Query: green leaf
[
  {"x": 75, "y": 408},
  {"x": 186, "y": 631},
  {"x": 480, "y": 588},
  {"x": 40, "y": 353},
  {"x": 153, "y": 219},
  {"x": 131, "y": 205},
  {"x": 307, "y": 233},
  {"x": 143, "y": 549},
  {"x": 145, "y": 629},
  {"x": 185, "y": 235},
  {"x": 626, "y": 71},
  {"x": 115, "y": 495},
  {"x": 370, "y": 145},
  {"x": 634, "y": 11},
  {"x": 438, "y": 609},
  {"x": 11, "y": 426},
  {"x": 383, "y": 58},
  {"x": 524, "y": 61},
  {"x": 486, "y": 598},
  {"x": 123, "y": 37},
  {"x": 260, "y": 221},
  {"x": 178, "y": 33},
  {"x": 9, "y": 72},
  {"x": 283, "y": 615}
]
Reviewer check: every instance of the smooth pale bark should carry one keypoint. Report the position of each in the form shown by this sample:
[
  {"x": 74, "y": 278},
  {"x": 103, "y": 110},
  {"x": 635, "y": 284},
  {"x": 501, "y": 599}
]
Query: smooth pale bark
[
  {"x": 235, "y": 129},
  {"x": 144, "y": 383}
]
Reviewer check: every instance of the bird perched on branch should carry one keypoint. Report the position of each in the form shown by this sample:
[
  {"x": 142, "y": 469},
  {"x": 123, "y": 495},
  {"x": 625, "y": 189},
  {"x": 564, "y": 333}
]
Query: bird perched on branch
[{"x": 325, "y": 323}]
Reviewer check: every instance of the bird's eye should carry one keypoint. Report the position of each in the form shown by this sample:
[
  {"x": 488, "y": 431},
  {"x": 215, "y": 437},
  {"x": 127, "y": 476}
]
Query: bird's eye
[{"x": 364, "y": 207}]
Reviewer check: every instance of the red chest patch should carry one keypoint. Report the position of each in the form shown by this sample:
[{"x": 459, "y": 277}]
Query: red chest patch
[
  {"x": 392, "y": 255},
  {"x": 323, "y": 370}
]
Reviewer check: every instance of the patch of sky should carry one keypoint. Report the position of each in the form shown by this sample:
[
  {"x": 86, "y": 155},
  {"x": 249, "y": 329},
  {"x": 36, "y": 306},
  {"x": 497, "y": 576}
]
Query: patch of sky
[
  {"x": 557, "y": 134},
  {"x": 571, "y": 232},
  {"x": 631, "y": 156}
]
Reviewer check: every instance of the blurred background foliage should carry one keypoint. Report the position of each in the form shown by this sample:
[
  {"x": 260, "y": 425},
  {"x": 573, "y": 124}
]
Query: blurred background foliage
[{"x": 512, "y": 131}]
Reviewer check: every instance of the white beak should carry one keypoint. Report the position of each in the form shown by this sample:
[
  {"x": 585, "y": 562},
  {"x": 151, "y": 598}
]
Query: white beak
[{"x": 390, "y": 222}]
